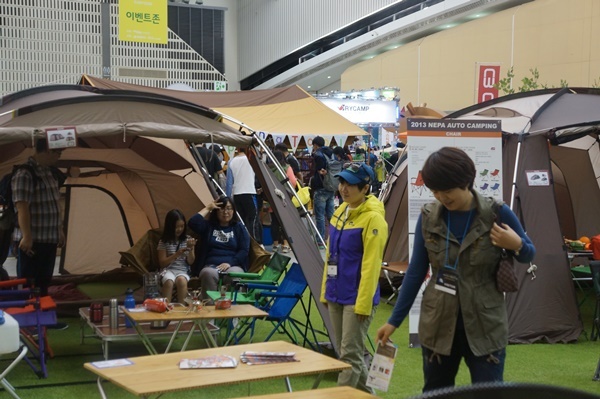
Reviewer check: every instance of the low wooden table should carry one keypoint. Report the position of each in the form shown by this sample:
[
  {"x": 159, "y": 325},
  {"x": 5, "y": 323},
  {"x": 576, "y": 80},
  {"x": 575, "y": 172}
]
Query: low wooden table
[
  {"x": 397, "y": 268},
  {"x": 325, "y": 393},
  {"x": 156, "y": 375},
  {"x": 199, "y": 318},
  {"x": 109, "y": 335}
]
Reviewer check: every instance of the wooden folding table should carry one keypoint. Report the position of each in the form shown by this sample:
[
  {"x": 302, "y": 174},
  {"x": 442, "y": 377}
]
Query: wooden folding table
[
  {"x": 159, "y": 374},
  {"x": 200, "y": 318}
]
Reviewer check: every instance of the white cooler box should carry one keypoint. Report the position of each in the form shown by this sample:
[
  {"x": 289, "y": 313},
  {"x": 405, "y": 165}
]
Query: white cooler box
[{"x": 9, "y": 331}]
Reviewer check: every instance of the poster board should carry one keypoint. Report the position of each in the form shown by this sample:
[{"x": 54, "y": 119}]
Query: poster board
[{"x": 481, "y": 140}]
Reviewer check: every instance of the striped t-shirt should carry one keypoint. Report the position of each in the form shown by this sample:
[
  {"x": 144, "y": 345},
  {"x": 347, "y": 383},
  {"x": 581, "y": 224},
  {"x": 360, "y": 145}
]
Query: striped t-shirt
[{"x": 179, "y": 264}]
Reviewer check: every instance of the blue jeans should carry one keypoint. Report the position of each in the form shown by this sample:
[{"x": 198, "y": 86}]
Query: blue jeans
[
  {"x": 440, "y": 371},
  {"x": 323, "y": 206}
]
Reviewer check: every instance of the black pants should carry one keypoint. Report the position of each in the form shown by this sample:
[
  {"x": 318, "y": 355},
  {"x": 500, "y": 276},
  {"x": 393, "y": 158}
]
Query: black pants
[
  {"x": 39, "y": 267},
  {"x": 246, "y": 207},
  {"x": 440, "y": 371}
]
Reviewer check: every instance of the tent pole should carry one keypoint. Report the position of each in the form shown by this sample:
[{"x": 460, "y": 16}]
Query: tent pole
[
  {"x": 269, "y": 154},
  {"x": 514, "y": 182}
]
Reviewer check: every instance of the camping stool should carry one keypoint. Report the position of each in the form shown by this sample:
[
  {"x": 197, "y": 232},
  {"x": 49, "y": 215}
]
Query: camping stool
[
  {"x": 393, "y": 267},
  {"x": 10, "y": 342}
]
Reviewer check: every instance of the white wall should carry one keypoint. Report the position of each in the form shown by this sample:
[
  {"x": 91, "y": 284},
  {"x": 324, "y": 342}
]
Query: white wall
[{"x": 271, "y": 29}]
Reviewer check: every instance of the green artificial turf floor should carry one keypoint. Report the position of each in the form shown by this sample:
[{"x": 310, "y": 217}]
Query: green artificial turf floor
[{"x": 567, "y": 365}]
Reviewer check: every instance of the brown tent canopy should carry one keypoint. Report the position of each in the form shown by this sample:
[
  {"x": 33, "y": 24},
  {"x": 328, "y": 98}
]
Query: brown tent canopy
[{"x": 287, "y": 110}]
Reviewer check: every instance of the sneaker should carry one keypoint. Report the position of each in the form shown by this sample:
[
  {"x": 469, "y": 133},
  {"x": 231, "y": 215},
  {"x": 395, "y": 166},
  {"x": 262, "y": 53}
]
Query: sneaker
[
  {"x": 58, "y": 326},
  {"x": 285, "y": 249}
]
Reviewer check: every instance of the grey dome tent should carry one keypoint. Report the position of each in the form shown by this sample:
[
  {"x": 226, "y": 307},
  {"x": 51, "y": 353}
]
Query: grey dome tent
[{"x": 554, "y": 130}]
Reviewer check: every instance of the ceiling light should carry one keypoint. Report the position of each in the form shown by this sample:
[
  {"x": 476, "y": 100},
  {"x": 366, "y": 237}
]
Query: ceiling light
[
  {"x": 328, "y": 77},
  {"x": 308, "y": 87}
]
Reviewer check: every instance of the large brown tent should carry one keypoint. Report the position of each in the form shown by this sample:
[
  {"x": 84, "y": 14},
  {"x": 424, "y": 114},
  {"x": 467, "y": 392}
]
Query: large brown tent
[
  {"x": 134, "y": 161},
  {"x": 124, "y": 175},
  {"x": 554, "y": 130}
]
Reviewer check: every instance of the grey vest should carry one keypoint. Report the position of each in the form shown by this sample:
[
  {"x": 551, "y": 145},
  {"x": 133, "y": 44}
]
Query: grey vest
[{"x": 482, "y": 306}]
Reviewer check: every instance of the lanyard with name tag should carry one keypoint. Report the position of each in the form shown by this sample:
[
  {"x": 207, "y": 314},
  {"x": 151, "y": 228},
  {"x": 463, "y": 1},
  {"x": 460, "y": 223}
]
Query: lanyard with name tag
[{"x": 447, "y": 277}]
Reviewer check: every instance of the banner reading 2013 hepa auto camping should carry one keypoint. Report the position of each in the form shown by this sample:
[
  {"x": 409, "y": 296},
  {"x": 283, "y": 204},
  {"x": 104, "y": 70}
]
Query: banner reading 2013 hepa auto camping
[{"x": 480, "y": 139}]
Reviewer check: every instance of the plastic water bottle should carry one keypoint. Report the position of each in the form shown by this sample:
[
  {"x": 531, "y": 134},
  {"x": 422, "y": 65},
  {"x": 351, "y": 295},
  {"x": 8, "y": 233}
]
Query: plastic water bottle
[{"x": 129, "y": 304}]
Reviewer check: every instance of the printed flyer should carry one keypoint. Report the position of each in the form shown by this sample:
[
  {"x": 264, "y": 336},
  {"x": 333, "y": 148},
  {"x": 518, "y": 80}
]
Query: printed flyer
[{"x": 380, "y": 372}]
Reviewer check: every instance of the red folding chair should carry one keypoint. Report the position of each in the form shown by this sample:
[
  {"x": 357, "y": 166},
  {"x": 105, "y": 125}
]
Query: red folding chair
[
  {"x": 33, "y": 313},
  {"x": 417, "y": 184}
]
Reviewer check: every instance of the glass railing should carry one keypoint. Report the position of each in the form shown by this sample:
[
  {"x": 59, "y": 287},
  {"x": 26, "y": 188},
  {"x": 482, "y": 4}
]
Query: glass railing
[{"x": 335, "y": 39}]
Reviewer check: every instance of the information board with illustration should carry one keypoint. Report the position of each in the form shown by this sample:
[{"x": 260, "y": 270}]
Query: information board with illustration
[{"x": 480, "y": 139}]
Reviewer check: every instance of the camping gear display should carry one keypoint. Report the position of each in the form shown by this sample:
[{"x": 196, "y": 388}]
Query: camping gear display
[
  {"x": 506, "y": 279},
  {"x": 129, "y": 303},
  {"x": 133, "y": 163}
]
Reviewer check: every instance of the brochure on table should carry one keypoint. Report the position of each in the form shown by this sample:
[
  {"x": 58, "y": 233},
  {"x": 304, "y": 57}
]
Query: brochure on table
[
  {"x": 480, "y": 139},
  {"x": 209, "y": 362}
]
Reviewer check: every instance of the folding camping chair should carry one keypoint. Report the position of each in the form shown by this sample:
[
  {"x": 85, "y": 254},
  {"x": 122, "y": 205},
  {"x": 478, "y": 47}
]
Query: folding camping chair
[
  {"x": 270, "y": 275},
  {"x": 33, "y": 313},
  {"x": 9, "y": 331},
  {"x": 417, "y": 184},
  {"x": 398, "y": 268},
  {"x": 281, "y": 301}
]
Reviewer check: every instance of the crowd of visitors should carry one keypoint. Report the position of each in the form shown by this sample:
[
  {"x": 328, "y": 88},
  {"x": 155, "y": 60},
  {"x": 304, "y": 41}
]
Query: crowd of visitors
[{"x": 459, "y": 239}]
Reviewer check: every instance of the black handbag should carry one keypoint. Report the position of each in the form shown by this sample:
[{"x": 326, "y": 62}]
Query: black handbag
[{"x": 506, "y": 278}]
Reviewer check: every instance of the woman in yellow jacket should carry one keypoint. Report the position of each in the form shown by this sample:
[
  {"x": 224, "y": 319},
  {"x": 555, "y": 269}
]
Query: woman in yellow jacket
[{"x": 357, "y": 236}]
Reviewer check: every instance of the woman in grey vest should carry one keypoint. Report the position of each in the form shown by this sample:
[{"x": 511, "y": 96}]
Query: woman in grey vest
[{"x": 461, "y": 236}]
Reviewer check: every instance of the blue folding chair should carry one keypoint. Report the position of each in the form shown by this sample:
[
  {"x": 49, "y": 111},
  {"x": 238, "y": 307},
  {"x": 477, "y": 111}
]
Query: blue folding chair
[
  {"x": 33, "y": 313},
  {"x": 281, "y": 300}
]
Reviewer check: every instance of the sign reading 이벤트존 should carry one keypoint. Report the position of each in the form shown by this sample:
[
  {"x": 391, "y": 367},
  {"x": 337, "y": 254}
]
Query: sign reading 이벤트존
[{"x": 143, "y": 21}]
